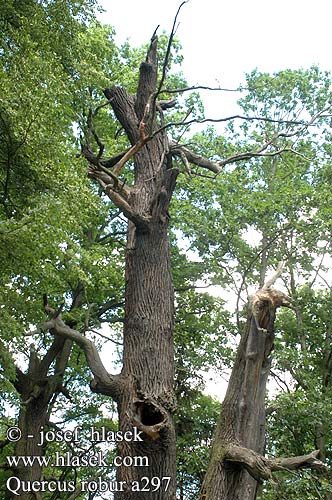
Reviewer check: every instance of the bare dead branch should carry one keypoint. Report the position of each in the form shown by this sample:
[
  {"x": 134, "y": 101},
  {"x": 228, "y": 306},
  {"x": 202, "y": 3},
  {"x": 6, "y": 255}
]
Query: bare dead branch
[
  {"x": 166, "y": 104},
  {"x": 105, "y": 336},
  {"x": 227, "y": 119},
  {"x": 271, "y": 409},
  {"x": 280, "y": 382},
  {"x": 109, "y": 305},
  {"x": 301, "y": 382},
  {"x": 260, "y": 467},
  {"x": 151, "y": 100},
  {"x": 110, "y": 162},
  {"x": 91, "y": 130},
  {"x": 251, "y": 263},
  {"x": 102, "y": 377},
  {"x": 185, "y": 162},
  {"x": 275, "y": 276},
  {"x": 98, "y": 141},
  {"x": 121, "y": 160},
  {"x": 168, "y": 51},
  {"x": 197, "y": 87},
  {"x": 100, "y": 173},
  {"x": 189, "y": 156},
  {"x": 309, "y": 461},
  {"x": 120, "y": 202},
  {"x": 260, "y": 153},
  {"x": 262, "y": 150},
  {"x": 132, "y": 151}
]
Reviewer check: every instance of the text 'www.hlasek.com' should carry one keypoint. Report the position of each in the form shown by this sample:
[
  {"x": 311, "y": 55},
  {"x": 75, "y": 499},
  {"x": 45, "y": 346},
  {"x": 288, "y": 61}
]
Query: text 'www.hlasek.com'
[{"x": 99, "y": 459}]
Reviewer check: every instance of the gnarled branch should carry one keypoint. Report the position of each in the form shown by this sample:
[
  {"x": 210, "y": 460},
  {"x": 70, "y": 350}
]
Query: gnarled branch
[
  {"x": 192, "y": 157},
  {"x": 261, "y": 468},
  {"x": 109, "y": 383}
]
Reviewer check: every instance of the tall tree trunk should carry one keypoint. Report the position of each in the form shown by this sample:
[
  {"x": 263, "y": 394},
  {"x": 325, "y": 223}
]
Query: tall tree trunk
[
  {"x": 241, "y": 426},
  {"x": 147, "y": 401},
  {"x": 37, "y": 389},
  {"x": 148, "y": 361},
  {"x": 31, "y": 422}
]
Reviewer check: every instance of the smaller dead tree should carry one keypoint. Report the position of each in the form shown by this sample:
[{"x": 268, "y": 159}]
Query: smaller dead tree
[{"x": 237, "y": 463}]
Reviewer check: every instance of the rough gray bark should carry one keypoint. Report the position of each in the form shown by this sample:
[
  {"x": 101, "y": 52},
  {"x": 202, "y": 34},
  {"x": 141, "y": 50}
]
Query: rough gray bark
[
  {"x": 146, "y": 400},
  {"x": 242, "y": 418}
]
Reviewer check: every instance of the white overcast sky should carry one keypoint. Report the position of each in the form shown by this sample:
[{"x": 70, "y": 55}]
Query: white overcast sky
[{"x": 224, "y": 39}]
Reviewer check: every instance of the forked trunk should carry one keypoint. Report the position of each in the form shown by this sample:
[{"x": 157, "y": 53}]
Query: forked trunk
[{"x": 36, "y": 388}]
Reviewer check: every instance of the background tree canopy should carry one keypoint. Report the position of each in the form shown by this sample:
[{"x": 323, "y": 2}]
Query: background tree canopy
[{"x": 264, "y": 196}]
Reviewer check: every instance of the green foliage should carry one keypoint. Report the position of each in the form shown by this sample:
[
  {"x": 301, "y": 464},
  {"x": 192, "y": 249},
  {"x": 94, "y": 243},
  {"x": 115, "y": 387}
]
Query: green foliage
[
  {"x": 256, "y": 213},
  {"x": 304, "y": 484},
  {"x": 48, "y": 206},
  {"x": 57, "y": 235},
  {"x": 284, "y": 93},
  {"x": 195, "y": 421},
  {"x": 60, "y": 237},
  {"x": 282, "y": 201},
  {"x": 301, "y": 421}
]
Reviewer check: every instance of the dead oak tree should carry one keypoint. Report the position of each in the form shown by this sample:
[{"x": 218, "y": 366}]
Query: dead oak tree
[
  {"x": 237, "y": 464},
  {"x": 143, "y": 390}
]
